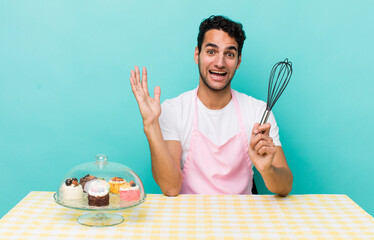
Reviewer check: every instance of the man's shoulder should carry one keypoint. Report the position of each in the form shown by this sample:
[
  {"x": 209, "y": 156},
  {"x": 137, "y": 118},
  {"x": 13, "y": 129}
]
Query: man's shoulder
[
  {"x": 249, "y": 100},
  {"x": 183, "y": 98},
  {"x": 174, "y": 110}
]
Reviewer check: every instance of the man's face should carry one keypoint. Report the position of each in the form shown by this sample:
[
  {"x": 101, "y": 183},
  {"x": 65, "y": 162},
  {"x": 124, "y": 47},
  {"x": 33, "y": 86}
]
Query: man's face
[{"x": 218, "y": 59}]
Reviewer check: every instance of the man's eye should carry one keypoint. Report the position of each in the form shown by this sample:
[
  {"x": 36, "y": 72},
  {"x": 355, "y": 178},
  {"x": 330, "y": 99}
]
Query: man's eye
[
  {"x": 230, "y": 54},
  {"x": 210, "y": 51}
]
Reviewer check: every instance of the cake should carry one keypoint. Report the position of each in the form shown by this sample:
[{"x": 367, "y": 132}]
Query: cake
[
  {"x": 71, "y": 190},
  {"x": 130, "y": 194},
  {"x": 116, "y": 183},
  {"x": 98, "y": 193},
  {"x": 85, "y": 179}
]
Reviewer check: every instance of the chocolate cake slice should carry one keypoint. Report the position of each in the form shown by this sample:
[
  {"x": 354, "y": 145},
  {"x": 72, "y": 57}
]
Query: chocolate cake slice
[
  {"x": 98, "y": 201},
  {"x": 98, "y": 193}
]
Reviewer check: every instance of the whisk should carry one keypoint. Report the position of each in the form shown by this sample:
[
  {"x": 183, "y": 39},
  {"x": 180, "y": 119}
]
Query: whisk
[{"x": 281, "y": 73}]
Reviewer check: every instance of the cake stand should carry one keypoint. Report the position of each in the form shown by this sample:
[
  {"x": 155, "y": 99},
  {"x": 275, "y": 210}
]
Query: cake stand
[
  {"x": 99, "y": 216},
  {"x": 107, "y": 171}
]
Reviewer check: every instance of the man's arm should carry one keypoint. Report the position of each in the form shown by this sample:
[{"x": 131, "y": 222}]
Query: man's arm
[
  {"x": 279, "y": 178},
  {"x": 165, "y": 155},
  {"x": 270, "y": 161}
]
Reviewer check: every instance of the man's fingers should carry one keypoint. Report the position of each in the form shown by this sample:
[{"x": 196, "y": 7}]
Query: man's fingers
[
  {"x": 263, "y": 129},
  {"x": 135, "y": 84},
  {"x": 256, "y": 138},
  {"x": 144, "y": 81},
  {"x": 133, "y": 81},
  {"x": 133, "y": 75},
  {"x": 137, "y": 76},
  {"x": 157, "y": 94},
  {"x": 255, "y": 129},
  {"x": 135, "y": 90},
  {"x": 140, "y": 82},
  {"x": 263, "y": 144},
  {"x": 267, "y": 150}
]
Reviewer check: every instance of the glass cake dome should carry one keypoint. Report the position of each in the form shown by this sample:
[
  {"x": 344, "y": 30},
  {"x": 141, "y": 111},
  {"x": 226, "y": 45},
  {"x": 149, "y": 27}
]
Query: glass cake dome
[{"x": 100, "y": 186}]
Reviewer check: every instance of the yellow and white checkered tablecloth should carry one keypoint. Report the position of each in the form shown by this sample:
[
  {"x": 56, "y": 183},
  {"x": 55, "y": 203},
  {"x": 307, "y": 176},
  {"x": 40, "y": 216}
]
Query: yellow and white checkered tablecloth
[{"x": 38, "y": 217}]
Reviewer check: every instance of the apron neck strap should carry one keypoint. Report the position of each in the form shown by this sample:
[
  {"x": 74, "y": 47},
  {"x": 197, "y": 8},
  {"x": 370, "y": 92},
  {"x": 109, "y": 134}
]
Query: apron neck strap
[{"x": 237, "y": 108}]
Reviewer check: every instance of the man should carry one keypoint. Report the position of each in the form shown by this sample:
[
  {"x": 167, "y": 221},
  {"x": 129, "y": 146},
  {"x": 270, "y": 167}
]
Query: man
[{"x": 206, "y": 140}]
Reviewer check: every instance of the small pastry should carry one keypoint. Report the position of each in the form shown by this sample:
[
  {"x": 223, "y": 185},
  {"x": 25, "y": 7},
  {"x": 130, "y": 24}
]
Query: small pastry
[
  {"x": 98, "y": 193},
  {"x": 85, "y": 179},
  {"x": 71, "y": 190},
  {"x": 130, "y": 194},
  {"x": 116, "y": 183}
]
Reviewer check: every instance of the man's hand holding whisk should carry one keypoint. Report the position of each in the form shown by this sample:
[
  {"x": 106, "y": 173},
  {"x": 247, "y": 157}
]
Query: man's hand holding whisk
[
  {"x": 269, "y": 159},
  {"x": 261, "y": 148}
]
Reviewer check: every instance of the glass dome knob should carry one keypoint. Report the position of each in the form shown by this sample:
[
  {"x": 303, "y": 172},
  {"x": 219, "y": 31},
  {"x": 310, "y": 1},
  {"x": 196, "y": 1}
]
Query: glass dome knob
[{"x": 101, "y": 159}]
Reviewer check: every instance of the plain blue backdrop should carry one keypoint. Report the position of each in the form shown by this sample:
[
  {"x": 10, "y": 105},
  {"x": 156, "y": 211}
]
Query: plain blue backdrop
[{"x": 65, "y": 94}]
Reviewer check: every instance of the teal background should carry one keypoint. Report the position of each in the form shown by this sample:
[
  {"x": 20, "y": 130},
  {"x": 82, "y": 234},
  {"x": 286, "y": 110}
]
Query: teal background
[{"x": 65, "y": 93}]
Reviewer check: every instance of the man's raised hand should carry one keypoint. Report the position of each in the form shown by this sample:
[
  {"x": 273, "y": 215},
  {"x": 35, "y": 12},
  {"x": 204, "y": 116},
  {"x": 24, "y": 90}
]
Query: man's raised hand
[{"x": 150, "y": 108}]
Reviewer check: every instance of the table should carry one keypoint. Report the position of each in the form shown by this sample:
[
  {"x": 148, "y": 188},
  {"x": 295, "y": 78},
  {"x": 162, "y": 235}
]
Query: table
[{"x": 37, "y": 216}]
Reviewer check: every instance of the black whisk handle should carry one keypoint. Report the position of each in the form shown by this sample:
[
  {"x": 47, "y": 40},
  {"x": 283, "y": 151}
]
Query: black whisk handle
[{"x": 265, "y": 117}]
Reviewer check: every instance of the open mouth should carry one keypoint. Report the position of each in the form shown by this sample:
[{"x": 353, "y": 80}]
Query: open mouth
[{"x": 218, "y": 73}]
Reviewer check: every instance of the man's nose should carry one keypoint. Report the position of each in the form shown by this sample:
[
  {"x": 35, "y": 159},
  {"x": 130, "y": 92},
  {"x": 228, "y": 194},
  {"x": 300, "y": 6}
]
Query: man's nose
[{"x": 220, "y": 62}]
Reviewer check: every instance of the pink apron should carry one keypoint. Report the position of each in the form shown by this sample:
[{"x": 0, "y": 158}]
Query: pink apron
[{"x": 212, "y": 169}]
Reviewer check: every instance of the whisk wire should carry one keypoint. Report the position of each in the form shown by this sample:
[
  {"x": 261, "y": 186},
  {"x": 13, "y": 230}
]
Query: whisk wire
[
  {"x": 283, "y": 81},
  {"x": 276, "y": 87},
  {"x": 281, "y": 72}
]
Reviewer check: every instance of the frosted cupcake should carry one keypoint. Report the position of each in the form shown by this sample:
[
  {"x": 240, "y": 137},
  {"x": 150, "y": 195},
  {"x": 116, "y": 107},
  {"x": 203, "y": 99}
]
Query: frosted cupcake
[
  {"x": 116, "y": 183},
  {"x": 71, "y": 190},
  {"x": 85, "y": 179},
  {"x": 98, "y": 193},
  {"x": 130, "y": 194}
]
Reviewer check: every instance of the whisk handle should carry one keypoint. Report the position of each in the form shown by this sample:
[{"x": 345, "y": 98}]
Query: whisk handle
[{"x": 265, "y": 117}]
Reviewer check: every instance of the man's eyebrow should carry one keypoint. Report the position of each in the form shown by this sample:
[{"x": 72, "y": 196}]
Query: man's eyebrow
[
  {"x": 215, "y": 46},
  {"x": 211, "y": 45},
  {"x": 232, "y": 48}
]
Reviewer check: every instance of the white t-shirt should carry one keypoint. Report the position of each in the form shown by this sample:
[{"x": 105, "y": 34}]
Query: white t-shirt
[{"x": 217, "y": 125}]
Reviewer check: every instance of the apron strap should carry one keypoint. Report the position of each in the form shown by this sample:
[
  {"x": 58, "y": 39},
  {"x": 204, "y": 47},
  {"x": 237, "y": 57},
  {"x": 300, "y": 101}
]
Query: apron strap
[{"x": 237, "y": 109}]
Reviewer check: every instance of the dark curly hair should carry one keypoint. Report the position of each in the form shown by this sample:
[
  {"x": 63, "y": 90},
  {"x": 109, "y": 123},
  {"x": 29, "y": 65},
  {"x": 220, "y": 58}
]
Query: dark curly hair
[{"x": 232, "y": 28}]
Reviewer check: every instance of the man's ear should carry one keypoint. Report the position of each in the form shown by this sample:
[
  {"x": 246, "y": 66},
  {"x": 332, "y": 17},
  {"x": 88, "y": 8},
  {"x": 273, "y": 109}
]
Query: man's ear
[
  {"x": 196, "y": 55},
  {"x": 239, "y": 61}
]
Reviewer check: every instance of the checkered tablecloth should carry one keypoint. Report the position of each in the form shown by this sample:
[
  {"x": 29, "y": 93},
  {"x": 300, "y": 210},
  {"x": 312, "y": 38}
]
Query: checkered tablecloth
[{"x": 38, "y": 217}]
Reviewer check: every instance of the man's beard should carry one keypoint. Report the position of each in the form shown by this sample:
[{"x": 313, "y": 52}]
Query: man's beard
[{"x": 211, "y": 87}]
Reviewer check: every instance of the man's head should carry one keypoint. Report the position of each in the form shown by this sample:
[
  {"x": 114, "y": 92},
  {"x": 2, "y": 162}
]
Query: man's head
[
  {"x": 218, "y": 53},
  {"x": 233, "y": 29}
]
